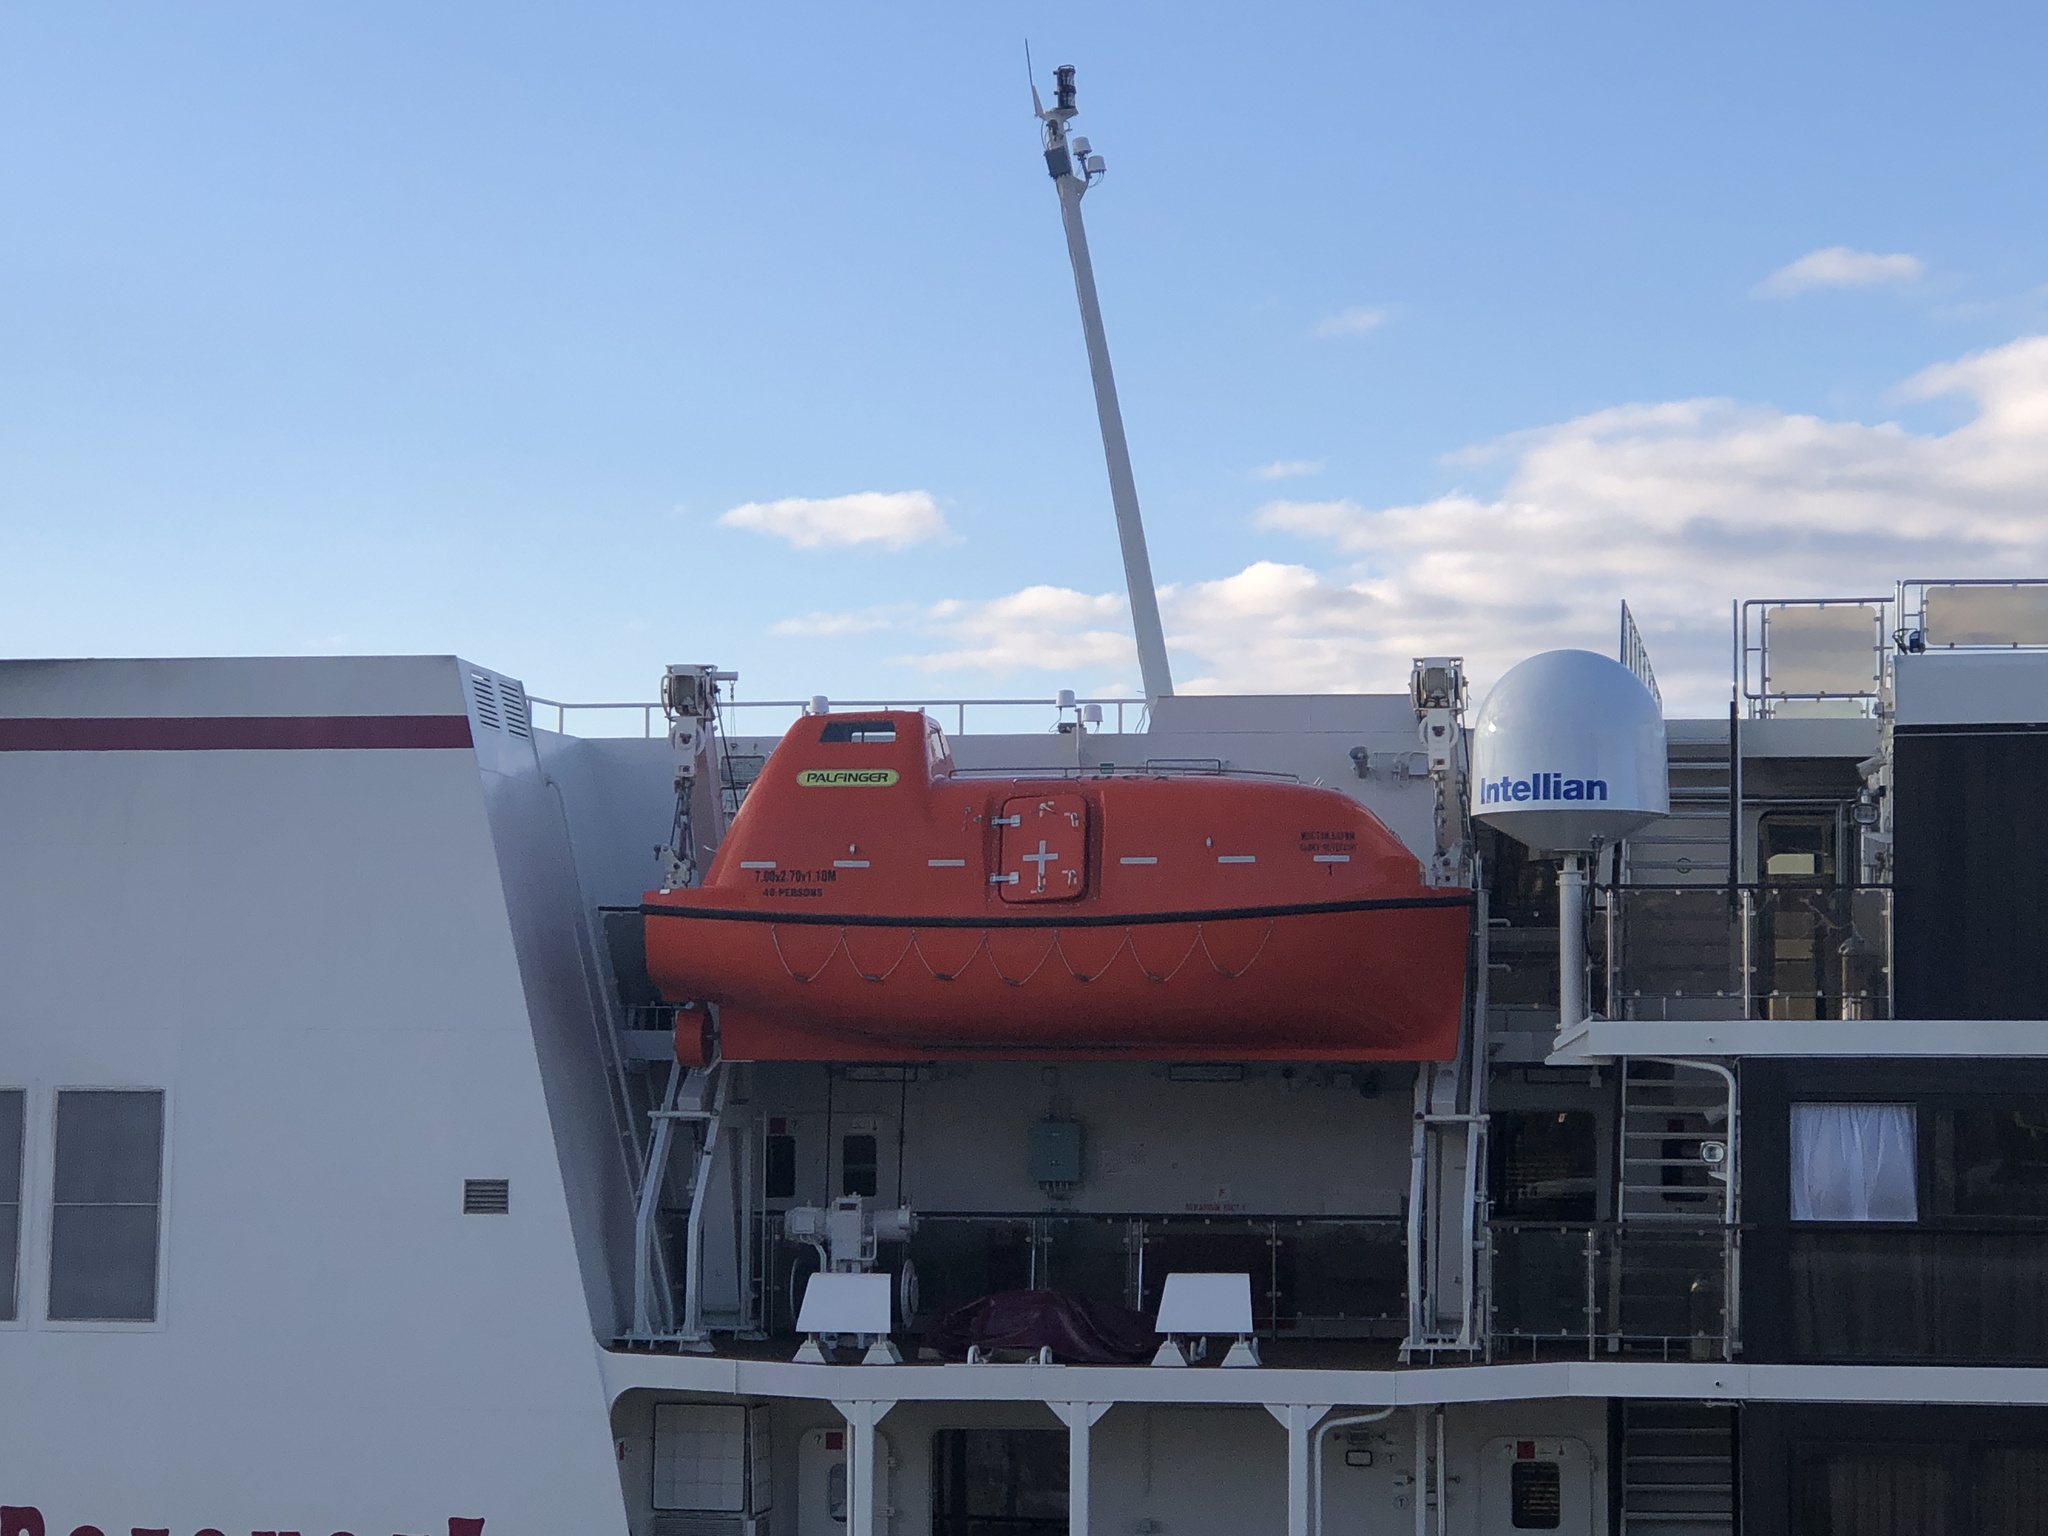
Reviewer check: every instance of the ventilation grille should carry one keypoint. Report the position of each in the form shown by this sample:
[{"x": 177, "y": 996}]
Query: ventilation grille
[
  {"x": 480, "y": 684},
  {"x": 512, "y": 700},
  {"x": 486, "y": 1197}
]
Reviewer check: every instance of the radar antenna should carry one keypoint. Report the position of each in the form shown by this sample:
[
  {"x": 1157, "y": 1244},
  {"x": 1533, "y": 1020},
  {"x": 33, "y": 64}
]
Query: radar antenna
[{"x": 1075, "y": 168}]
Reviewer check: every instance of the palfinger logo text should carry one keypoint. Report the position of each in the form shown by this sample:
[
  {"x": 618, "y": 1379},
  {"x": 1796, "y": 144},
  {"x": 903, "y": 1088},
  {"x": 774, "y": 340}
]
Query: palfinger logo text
[{"x": 844, "y": 778}]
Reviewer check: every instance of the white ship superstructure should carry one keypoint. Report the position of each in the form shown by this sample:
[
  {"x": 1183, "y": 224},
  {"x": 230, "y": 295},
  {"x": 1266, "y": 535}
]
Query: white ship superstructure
[{"x": 354, "y": 1175}]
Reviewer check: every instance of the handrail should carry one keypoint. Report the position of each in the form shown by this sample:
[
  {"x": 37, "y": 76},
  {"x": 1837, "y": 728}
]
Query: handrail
[
  {"x": 1752, "y": 651},
  {"x": 1911, "y": 633},
  {"x": 649, "y": 711}
]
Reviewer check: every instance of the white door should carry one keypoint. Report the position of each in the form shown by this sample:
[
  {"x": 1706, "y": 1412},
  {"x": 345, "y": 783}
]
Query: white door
[{"x": 821, "y": 1482}]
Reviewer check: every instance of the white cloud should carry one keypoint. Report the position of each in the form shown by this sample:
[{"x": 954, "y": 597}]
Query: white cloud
[
  {"x": 1351, "y": 322},
  {"x": 1040, "y": 627},
  {"x": 825, "y": 626},
  {"x": 893, "y": 518},
  {"x": 1836, "y": 266},
  {"x": 1287, "y": 469},
  {"x": 1678, "y": 507}
]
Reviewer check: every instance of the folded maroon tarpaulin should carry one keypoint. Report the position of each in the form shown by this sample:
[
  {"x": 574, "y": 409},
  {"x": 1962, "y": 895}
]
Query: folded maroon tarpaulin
[{"x": 1078, "y": 1329}]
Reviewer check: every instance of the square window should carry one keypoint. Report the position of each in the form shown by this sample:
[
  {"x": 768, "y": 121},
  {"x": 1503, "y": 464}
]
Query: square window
[{"x": 1855, "y": 1162}]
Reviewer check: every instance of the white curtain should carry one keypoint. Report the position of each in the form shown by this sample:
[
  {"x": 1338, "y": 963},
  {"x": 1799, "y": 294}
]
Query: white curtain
[{"x": 1853, "y": 1162}]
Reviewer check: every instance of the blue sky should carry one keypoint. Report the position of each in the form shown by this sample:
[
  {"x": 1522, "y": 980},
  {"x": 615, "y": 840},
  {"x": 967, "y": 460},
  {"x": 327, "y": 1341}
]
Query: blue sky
[{"x": 389, "y": 328}]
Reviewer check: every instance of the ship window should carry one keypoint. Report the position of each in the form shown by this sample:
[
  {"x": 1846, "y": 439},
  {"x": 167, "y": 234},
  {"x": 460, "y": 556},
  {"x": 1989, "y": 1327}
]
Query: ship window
[
  {"x": 859, "y": 1166},
  {"x": 104, "y": 1221},
  {"x": 779, "y": 1174},
  {"x": 1535, "y": 1496},
  {"x": 1795, "y": 846},
  {"x": 1893, "y": 1491},
  {"x": 1854, "y": 1162},
  {"x": 857, "y": 732},
  {"x": 1008, "y": 1480},
  {"x": 11, "y": 1121},
  {"x": 1989, "y": 1160},
  {"x": 700, "y": 1457}
]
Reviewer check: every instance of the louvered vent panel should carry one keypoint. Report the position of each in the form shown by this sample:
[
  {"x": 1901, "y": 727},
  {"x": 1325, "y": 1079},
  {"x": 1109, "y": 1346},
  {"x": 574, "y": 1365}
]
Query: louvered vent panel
[
  {"x": 486, "y": 700},
  {"x": 486, "y": 1197},
  {"x": 512, "y": 698}
]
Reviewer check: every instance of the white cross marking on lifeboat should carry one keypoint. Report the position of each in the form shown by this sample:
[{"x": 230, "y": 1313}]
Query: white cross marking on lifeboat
[{"x": 1041, "y": 859}]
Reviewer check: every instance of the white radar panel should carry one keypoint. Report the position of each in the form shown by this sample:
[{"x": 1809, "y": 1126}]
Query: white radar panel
[{"x": 1568, "y": 754}]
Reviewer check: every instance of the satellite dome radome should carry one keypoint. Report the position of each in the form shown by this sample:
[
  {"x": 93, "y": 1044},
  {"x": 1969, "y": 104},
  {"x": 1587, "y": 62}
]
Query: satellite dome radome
[{"x": 1568, "y": 754}]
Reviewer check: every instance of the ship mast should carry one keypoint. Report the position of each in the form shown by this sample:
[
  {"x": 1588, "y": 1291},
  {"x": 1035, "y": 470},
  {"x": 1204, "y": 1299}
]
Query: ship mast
[{"x": 1074, "y": 169}]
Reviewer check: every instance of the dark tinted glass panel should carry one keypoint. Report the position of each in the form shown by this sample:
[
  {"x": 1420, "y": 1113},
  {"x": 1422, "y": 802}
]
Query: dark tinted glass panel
[
  {"x": 2010, "y": 1487},
  {"x": 999, "y": 1482},
  {"x": 860, "y": 1172},
  {"x": 1970, "y": 875},
  {"x": 1993, "y": 1161},
  {"x": 1876, "y": 1493},
  {"x": 779, "y": 1177},
  {"x": 1904, "y": 1294},
  {"x": 1546, "y": 1165},
  {"x": 1535, "y": 1496},
  {"x": 104, "y": 1227},
  {"x": 10, "y": 1201}
]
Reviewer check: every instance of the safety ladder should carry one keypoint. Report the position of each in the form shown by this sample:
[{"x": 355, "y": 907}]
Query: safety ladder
[
  {"x": 1677, "y": 1469},
  {"x": 1675, "y": 1273},
  {"x": 694, "y": 1102}
]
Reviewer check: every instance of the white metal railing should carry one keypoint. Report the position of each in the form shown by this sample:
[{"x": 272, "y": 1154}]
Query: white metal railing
[
  {"x": 638, "y": 719},
  {"x": 1984, "y": 614},
  {"x": 1636, "y": 656},
  {"x": 1827, "y": 651}
]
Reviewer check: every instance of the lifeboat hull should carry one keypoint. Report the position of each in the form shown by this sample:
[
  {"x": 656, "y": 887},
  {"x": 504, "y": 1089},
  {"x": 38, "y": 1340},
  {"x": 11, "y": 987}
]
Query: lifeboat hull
[
  {"x": 871, "y": 903},
  {"x": 1365, "y": 981}
]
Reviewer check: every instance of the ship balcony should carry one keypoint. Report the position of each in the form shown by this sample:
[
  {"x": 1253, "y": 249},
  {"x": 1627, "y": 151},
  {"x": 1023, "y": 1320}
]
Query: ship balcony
[
  {"x": 1326, "y": 1291},
  {"x": 1644, "y": 1289},
  {"x": 1332, "y": 1279},
  {"x": 1777, "y": 950}
]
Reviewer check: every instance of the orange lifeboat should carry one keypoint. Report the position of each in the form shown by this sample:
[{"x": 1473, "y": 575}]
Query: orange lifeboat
[{"x": 869, "y": 903}]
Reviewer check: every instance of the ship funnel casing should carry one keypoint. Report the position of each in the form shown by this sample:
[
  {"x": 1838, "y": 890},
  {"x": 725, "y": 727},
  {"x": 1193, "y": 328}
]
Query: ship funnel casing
[{"x": 1568, "y": 754}]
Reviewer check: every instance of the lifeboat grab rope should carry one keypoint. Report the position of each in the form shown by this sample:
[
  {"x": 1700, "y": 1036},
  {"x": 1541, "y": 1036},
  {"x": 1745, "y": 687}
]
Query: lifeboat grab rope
[{"x": 1199, "y": 941}]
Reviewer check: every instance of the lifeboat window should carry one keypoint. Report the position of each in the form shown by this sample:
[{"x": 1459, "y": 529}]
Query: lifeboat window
[
  {"x": 858, "y": 732},
  {"x": 779, "y": 1176},
  {"x": 860, "y": 1166}
]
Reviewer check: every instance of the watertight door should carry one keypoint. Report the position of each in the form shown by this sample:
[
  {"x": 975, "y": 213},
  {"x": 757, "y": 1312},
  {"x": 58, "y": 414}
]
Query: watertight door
[{"x": 1044, "y": 848}]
